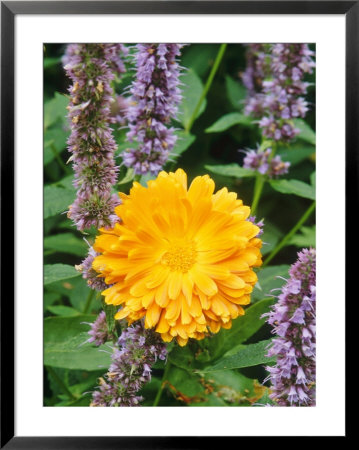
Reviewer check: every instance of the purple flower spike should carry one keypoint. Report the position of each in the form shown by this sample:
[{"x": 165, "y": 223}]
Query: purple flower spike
[
  {"x": 262, "y": 162},
  {"x": 91, "y": 68},
  {"x": 136, "y": 352},
  {"x": 293, "y": 318},
  {"x": 99, "y": 330},
  {"x": 155, "y": 96},
  {"x": 274, "y": 81}
]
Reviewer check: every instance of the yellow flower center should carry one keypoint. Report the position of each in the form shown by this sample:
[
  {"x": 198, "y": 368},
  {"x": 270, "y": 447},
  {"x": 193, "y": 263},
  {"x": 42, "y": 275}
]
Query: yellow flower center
[{"x": 180, "y": 257}]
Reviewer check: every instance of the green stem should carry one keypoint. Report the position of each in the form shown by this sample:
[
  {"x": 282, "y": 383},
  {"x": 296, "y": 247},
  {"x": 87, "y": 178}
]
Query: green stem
[
  {"x": 291, "y": 233},
  {"x": 258, "y": 188},
  {"x": 163, "y": 381},
  {"x": 260, "y": 179},
  {"x": 88, "y": 301},
  {"x": 207, "y": 86},
  {"x": 61, "y": 384}
]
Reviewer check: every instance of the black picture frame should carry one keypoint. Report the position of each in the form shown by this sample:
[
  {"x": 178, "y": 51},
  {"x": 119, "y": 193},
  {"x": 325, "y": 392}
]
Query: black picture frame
[{"x": 9, "y": 10}]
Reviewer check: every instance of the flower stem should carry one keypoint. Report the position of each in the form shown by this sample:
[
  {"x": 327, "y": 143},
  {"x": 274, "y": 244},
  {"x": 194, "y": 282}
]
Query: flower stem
[
  {"x": 207, "y": 86},
  {"x": 88, "y": 301},
  {"x": 258, "y": 188},
  {"x": 61, "y": 384},
  {"x": 163, "y": 382},
  {"x": 291, "y": 233}
]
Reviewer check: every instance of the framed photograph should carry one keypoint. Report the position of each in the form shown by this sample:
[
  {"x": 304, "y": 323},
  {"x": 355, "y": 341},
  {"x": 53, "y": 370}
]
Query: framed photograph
[{"x": 175, "y": 170}]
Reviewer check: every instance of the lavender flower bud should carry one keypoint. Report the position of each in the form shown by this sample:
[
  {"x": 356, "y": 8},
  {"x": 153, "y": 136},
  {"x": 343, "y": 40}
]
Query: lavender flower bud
[
  {"x": 155, "y": 96},
  {"x": 99, "y": 330},
  {"x": 91, "y": 68},
  {"x": 293, "y": 319}
]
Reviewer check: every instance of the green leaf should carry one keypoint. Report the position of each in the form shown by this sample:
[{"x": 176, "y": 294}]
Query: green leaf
[
  {"x": 55, "y": 109},
  {"x": 228, "y": 121},
  {"x": 295, "y": 187},
  {"x": 313, "y": 179},
  {"x": 57, "y": 200},
  {"x": 185, "y": 383},
  {"x": 231, "y": 170},
  {"x": 51, "y": 61},
  {"x": 270, "y": 238},
  {"x": 130, "y": 175},
  {"x": 191, "y": 90},
  {"x": 50, "y": 298},
  {"x": 236, "y": 92},
  {"x": 250, "y": 355},
  {"x": 62, "y": 310},
  {"x": 296, "y": 153},
  {"x": 268, "y": 279},
  {"x": 59, "y": 136},
  {"x": 65, "y": 243},
  {"x": 63, "y": 339},
  {"x": 199, "y": 57},
  {"x": 306, "y": 133},
  {"x": 305, "y": 237},
  {"x": 184, "y": 141},
  {"x": 243, "y": 327},
  {"x": 58, "y": 272}
]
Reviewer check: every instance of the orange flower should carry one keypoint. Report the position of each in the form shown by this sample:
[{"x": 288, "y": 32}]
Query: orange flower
[{"x": 181, "y": 258}]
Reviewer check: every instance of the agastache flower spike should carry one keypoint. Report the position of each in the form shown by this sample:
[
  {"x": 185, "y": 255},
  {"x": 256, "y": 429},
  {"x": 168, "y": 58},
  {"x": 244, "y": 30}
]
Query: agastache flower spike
[
  {"x": 136, "y": 351},
  {"x": 264, "y": 163},
  {"x": 293, "y": 321},
  {"x": 91, "y": 68},
  {"x": 274, "y": 81},
  {"x": 155, "y": 96}
]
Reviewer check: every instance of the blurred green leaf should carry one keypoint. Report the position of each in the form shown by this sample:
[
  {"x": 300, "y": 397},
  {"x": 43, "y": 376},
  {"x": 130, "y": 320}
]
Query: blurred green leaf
[
  {"x": 57, "y": 200},
  {"x": 270, "y": 238},
  {"x": 295, "y": 187},
  {"x": 228, "y": 121},
  {"x": 313, "y": 179},
  {"x": 250, "y": 355},
  {"x": 50, "y": 298},
  {"x": 63, "y": 339},
  {"x": 306, "y": 133},
  {"x": 184, "y": 141},
  {"x": 304, "y": 238},
  {"x": 62, "y": 310},
  {"x": 191, "y": 91},
  {"x": 130, "y": 175},
  {"x": 296, "y": 153},
  {"x": 236, "y": 92},
  {"x": 269, "y": 278},
  {"x": 242, "y": 328},
  {"x": 231, "y": 170},
  {"x": 66, "y": 243},
  {"x": 57, "y": 272},
  {"x": 199, "y": 57},
  {"x": 184, "y": 382},
  {"x": 55, "y": 109},
  {"x": 51, "y": 61},
  {"x": 54, "y": 143}
]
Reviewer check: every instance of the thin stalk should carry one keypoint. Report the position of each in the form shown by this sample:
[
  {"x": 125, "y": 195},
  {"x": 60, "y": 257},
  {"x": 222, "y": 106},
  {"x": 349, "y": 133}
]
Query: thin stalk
[
  {"x": 88, "y": 301},
  {"x": 207, "y": 86},
  {"x": 258, "y": 188},
  {"x": 291, "y": 233},
  {"x": 163, "y": 382},
  {"x": 61, "y": 384}
]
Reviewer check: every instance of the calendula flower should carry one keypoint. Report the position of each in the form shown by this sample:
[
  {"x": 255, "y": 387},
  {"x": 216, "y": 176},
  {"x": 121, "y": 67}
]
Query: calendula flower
[{"x": 182, "y": 258}]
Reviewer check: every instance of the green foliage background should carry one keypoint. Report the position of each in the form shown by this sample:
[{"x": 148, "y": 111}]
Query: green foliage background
[{"x": 227, "y": 369}]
